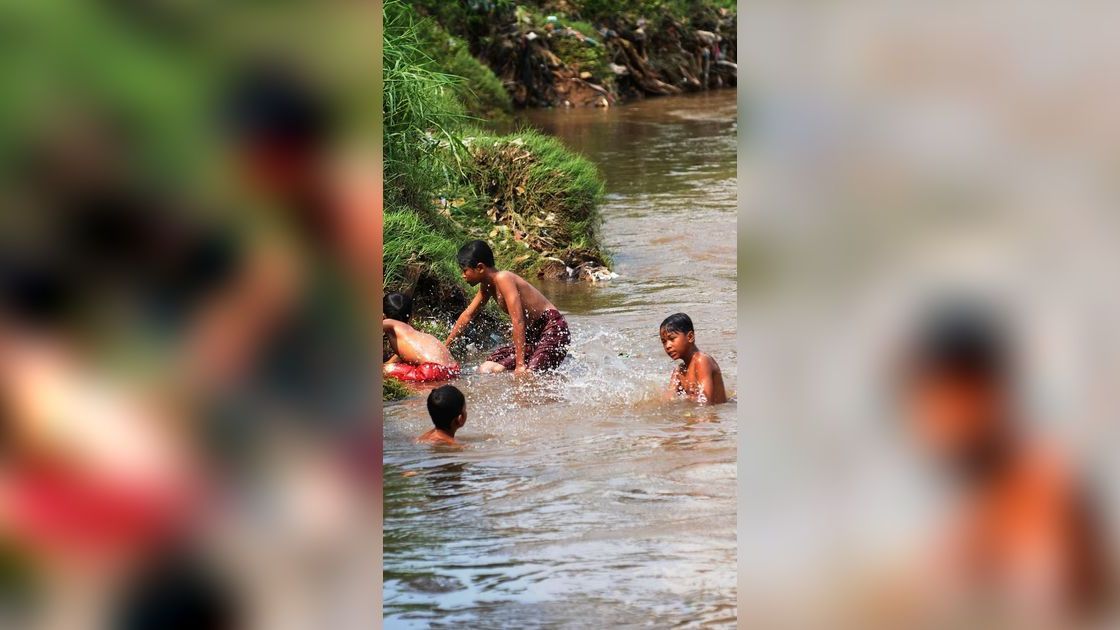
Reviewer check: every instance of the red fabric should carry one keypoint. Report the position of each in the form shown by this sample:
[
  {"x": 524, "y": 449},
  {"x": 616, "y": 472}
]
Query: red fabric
[
  {"x": 55, "y": 506},
  {"x": 422, "y": 373},
  {"x": 546, "y": 344}
]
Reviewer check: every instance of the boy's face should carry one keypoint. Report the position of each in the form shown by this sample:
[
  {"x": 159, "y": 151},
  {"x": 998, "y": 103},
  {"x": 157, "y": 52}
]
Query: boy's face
[
  {"x": 951, "y": 414},
  {"x": 676, "y": 343},
  {"x": 473, "y": 275},
  {"x": 274, "y": 165}
]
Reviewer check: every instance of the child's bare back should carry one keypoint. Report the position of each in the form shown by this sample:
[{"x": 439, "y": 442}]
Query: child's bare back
[
  {"x": 415, "y": 347},
  {"x": 435, "y": 436},
  {"x": 417, "y": 356}
]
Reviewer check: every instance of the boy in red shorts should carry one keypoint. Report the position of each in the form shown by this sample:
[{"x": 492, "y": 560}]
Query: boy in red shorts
[
  {"x": 540, "y": 334},
  {"x": 417, "y": 356}
]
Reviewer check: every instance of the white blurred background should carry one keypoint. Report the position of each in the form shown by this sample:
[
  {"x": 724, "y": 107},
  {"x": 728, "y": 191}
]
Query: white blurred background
[{"x": 893, "y": 151}]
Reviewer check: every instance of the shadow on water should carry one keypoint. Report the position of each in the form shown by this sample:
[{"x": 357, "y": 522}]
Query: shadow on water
[{"x": 584, "y": 494}]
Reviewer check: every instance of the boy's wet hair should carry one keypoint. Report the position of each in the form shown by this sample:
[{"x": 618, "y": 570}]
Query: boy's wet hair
[
  {"x": 678, "y": 323},
  {"x": 475, "y": 252},
  {"x": 179, "y": 592},
  {"x": 397, "y": 306},
  {"x": 271, "y": 101},
  {"x": 36, "y": 293},
  {"x": 962, "y": 341},
  {"x": 445, "y": 403}
]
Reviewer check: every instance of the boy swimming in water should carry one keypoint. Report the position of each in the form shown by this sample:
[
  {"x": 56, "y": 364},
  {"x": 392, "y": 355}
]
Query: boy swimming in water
[
  {"x": 448, "y": 409},
  {"x": 698, "y": 377},
  {"x": 417, "y": 356},
  {"x": 540, "y": 334}
]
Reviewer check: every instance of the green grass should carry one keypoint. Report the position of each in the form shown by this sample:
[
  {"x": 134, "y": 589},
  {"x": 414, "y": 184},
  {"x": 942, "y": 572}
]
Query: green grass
[
  {"x": 580, "y": 55},
  {"x": 422, "y": 115},
  {"x": 61, "y": 58},
  {"x": 542, "y": 199},
  {"x": 464, "y": 20},
  {"x": 392, "y": 389},
  {"x": 526, "y": 194},
  {"x": 439, "y": 328},
  {"x": 481, "y": 92},
  {"x": 409, "y": 241}
]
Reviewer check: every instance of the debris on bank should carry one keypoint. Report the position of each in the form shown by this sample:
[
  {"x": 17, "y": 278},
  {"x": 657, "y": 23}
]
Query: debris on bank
[
  {"x": 565, "y": 54},
  {"x": 541, "y": 205}
]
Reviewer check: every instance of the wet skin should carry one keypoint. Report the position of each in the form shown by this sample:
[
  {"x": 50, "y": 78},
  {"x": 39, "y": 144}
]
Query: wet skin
[
  {"x": 1024, "y": 523},
  {"x": 437, "y": 436},
  {"x": 414, "y": 347},
  {"x": 519, "y": 299},
  {"x": 698, "y": 377}
]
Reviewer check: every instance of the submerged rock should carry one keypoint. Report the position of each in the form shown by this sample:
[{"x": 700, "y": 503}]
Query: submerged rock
[
  {"x": 434, "y": 583},
  {"x": 588, "y": 272}
]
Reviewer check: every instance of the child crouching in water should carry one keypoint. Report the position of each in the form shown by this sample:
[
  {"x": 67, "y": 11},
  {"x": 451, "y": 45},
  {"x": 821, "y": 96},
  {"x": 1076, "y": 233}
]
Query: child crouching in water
[
  {"x": 417, "y": 356},
  {"x": 448, "y": 409},
  {"x": 698, "y": 377},
  {"x": 539, "y": 336}
]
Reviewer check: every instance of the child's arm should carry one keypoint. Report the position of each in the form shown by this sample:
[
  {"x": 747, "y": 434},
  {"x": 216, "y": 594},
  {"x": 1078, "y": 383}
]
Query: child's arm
[
  {"x": 467, "y": 315},
  {"x": 517, "y": 318},
  {"x": 707, "y": 386},
  {"x": 708, "y": 373},
  {"x": 389, "y": 327},
  {"x": 674, "y": 384}
]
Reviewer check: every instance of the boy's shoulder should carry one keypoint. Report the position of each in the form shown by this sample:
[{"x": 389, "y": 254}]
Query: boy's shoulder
[
  {"x": 509, "y": 280},
  {"x": 504, "y": 275},
  {"x": 397, "y": 325},
  {"x": 705, "y": 360},
  {"x": 435, "y": 436}
]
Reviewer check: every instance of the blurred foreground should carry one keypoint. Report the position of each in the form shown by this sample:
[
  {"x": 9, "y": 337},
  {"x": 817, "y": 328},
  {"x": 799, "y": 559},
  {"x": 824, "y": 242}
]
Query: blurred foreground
[
  {"x": 928, "y": 321},
  {"x": 189, "y": 241}
]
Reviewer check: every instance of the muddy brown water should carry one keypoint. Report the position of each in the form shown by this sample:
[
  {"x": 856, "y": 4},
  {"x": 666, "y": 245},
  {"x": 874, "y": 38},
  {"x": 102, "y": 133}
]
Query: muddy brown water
[{"x": 582, "y": 498}]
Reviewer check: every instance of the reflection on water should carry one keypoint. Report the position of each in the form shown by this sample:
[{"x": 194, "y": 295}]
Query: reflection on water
[{"x": 584, "y": 497}]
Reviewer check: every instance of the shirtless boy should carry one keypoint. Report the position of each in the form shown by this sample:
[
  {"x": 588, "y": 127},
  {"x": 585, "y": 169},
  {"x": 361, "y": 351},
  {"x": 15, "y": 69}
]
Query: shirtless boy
[
  {"x": 448, "y": 410},
  {"x": 698, "y": 377},
  {"x": 540, "y": 334},
  {"x": 417, "y": 356},
  {"x": 1025, "y": 531}
]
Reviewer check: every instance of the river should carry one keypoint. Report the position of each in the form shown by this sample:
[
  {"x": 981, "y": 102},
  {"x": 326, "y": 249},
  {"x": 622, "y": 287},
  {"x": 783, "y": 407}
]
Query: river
[{"x": 583, "y": 498}]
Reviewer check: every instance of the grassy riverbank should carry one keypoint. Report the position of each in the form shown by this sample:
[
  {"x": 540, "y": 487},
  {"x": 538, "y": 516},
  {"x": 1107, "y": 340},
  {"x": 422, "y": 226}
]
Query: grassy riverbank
[{"x": 447, "y": 180}]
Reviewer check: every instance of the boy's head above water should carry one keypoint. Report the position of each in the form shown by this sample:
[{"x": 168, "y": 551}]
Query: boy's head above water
[
  {"x": 475, "y": 258},
  {"x": 448, "y": 408},
  {"x": 958, "y": 390},
  {"x": 280, "y": 123},
  {"x": 678, "y": 337},
  {"x": 397, "y": 306}
]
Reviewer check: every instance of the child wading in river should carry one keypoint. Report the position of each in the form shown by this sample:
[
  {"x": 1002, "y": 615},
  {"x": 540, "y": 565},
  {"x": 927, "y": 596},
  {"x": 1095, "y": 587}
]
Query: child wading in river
[
  {"x": 448, "y": 409},
  {"x": 417, "y": 356},
  {"x": 698, "y": 377},
  {"x": 540, "y": 334}
]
